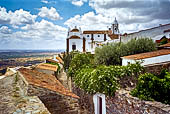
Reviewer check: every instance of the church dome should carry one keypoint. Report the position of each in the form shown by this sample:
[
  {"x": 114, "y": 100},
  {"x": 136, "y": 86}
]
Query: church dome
[
  {"x": 75, "y": 30},
  {"x": 74, "y": 37}
]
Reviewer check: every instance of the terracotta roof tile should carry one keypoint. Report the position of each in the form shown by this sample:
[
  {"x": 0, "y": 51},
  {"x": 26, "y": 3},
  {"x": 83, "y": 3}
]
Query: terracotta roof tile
[
  {"x": 74, "y": 37},
  {"x": 74, "y": 30},
  {"x": 96, "y": 32},
  {"x": 114, "y": 36},
  {"x": 46, "y": 81},
  {"x": 47, "y": 66},
  {"x": 148, "y": 54}
]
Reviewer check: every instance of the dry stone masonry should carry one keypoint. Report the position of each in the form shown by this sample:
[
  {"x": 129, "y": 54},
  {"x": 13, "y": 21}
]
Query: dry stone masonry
[{"x": 123, "y": 103}]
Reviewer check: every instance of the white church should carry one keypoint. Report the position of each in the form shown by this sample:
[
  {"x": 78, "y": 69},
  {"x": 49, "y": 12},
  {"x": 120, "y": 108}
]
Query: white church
[{"x": 87, "y": 41}]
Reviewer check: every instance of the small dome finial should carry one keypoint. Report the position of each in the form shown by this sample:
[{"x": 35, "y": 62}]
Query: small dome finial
[{"x": 115, "y": 22}]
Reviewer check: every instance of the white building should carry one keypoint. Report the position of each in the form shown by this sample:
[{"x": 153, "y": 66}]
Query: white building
[
  {"x": 155, "y": 33},
  {"x": 148, "y": 58},
  {"x": 87, "y": 41}
]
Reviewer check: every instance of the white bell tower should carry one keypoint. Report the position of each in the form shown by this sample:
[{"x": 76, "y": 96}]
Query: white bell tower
[{"x": 115, "y": 27}]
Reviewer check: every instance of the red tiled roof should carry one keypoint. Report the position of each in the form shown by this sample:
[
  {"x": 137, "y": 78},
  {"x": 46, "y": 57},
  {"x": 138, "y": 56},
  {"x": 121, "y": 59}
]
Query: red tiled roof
[
  {"x": 168, "y": 30},
  {"x": 148, "y": 54},
  {"x": 43, "y": 80},
  {"x": 114, "y": 36},
  {"x": 165, "y": 45},
  {"x": 47, "y": 66},
  {"x": 74, "y": 30},
  {"x": 74, "y": 37},
  {"x": 96, "y": 32}
]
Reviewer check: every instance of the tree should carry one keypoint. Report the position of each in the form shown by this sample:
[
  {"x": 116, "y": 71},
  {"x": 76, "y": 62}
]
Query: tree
[{"x": 110, "y": 54}]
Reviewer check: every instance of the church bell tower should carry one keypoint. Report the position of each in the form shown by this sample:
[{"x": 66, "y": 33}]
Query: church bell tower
[{"x": 115, "y": 27}]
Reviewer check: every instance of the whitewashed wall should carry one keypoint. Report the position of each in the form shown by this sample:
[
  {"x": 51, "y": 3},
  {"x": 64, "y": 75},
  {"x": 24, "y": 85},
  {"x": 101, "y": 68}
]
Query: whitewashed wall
[
  {"x": 90, "y": 48},
  {"x": 75, "y": 33},
  {"x": 167, "y": 34},
  {"x": 78, "y": 43},
  {"x": 147, "y": 61},
  {"x": 88, "y": 45},
  {"x": 151, "y": 33}
]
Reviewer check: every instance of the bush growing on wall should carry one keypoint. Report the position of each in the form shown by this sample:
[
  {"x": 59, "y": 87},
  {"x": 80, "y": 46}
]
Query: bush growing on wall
[
  {"x": 67, "y": 57},
  {"x": 99, "y": 79},
  {"x": 110, "y": 54},
  {"x": 151, "y": 87},
  {"x": 104, "y": 79},
  {"x": 77, "y": 62}
]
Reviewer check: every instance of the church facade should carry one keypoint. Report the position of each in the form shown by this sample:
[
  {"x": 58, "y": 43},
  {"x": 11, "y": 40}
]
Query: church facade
[{"x": 87, "y": 41}]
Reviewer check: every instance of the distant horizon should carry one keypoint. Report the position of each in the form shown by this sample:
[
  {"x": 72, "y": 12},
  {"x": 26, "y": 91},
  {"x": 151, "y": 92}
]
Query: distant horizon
[
  {"x": 44, "y": 24},
  {"x": 32, "y": 49}
]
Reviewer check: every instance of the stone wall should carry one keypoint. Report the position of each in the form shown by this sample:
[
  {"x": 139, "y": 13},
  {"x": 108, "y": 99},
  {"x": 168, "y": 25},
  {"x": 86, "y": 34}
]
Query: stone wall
[
  {"x": 14, "y": 99},
  {"x": 123, "y": 103},
  {"x": 85, "y": 101},
  {"x": 55, "y": 102},
  {"x": 156, "y": 68}
]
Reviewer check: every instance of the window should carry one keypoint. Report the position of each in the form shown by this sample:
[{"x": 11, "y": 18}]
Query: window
[
  {"x": 98, "y": 35},
  {"x": 74, "y": 47},
  {"x": 88, "y": 36}
]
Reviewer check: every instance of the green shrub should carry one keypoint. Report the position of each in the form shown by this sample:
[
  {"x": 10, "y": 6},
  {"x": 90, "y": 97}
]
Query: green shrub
[
  {"x": 99, "y": 79},
  {"x": 151, "y": 87},
  {"x": 77, "y": 62},
  {"x": 110, "y": 54},
  {"x": 164, "y": 40},
  {"x": 67, "y": 57},
  {"x": 103, "y": 79}
]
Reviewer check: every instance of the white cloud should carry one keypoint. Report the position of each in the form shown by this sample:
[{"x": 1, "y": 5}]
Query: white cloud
[
  {"x": 78, "y": 2},
  {"x": 5, "y": 30},
  {"x": 18, "y": 17},
  {"x": 48, "y": 2},
  {"x": 44, "y": 1},
  {"x": 49, "y": 13},
  {"x": 133, "y": 15},
  {"x": 89, "y": 21},
  {"x": 39, "y": 35},
  {"x": 44, "y": 30}
]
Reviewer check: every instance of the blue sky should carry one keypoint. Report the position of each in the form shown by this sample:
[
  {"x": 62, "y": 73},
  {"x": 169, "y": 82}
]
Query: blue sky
[{"x": 43, "y": 24}]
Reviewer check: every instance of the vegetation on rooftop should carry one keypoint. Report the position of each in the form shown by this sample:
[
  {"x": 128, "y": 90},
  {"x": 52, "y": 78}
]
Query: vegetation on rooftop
[{"x": 164, "y": 40}]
